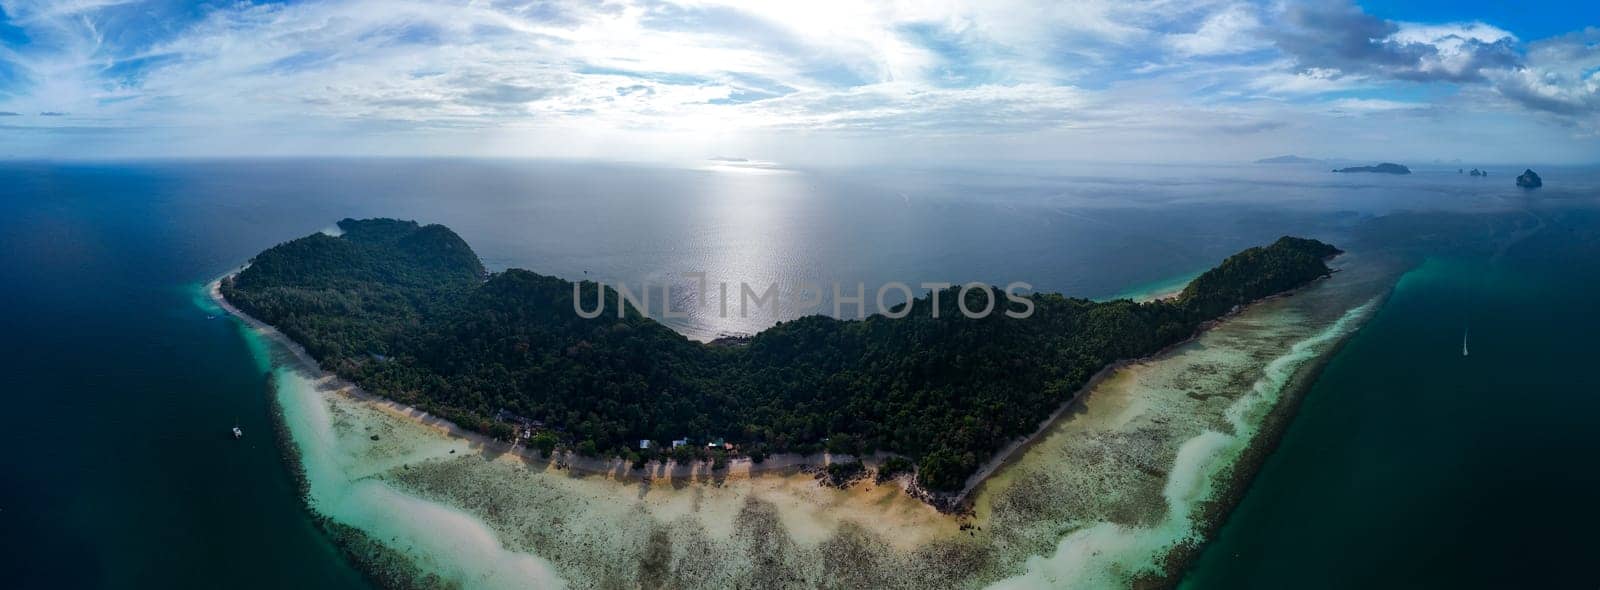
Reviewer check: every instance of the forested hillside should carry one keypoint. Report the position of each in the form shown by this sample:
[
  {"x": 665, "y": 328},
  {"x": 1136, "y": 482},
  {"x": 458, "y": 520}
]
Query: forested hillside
[{"x": 406, "y": 311}]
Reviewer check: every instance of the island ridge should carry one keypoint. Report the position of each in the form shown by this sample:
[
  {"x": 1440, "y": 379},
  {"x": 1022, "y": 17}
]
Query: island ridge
[{"x": 408, "y": 312}]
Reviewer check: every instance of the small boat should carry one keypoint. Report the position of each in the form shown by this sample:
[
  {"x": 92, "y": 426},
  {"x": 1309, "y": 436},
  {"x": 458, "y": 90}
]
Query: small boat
[
  {"x": 238, "y": 433},
  {"x": 1464, "y": 341}
]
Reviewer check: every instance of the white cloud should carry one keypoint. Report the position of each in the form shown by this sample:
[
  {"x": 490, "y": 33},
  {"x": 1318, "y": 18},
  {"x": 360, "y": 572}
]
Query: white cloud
[
  {"x": 1457, "y": 50},
  {"x": 1308, "y": 81},
  {"x": 1228, "y": 31},
  {"x": 28, "y": 12},
  {"x": 1371, "y": 105},
  {"x": 674, "y": 76},
  {"x": 349, "y": 60},
  {"x": 1339, "y": 35},
  {"x": 1561, "y": 76},
  {"x": 1437, "y": 33}
]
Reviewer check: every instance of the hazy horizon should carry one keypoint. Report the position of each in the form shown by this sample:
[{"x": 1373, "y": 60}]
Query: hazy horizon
[{"x": 1005, "y": 166}]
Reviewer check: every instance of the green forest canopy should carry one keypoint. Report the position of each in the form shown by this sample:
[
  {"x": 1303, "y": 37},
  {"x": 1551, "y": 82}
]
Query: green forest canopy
[{"x": 408, "y": 312}]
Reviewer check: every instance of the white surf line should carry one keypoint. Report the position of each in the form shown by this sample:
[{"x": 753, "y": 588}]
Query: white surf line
[
  {"x": 1107, "y": 555},
  {"x": 437, "y": 538}
]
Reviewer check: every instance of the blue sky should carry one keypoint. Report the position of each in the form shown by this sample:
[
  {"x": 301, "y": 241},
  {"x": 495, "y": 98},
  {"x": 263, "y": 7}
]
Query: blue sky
[{"x": 819, "y": 82}]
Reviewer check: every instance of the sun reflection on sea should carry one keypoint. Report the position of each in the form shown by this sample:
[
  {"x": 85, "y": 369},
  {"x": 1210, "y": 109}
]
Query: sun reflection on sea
[{"x": 745, "y": 240}]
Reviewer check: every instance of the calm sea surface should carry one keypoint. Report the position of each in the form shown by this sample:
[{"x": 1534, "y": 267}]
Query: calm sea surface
[
  {"x": 1408, "y": 463},
  {"x": 1411, "y": 465}
]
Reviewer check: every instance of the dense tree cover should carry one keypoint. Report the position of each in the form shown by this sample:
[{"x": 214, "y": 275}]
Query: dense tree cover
[
  {"x": 405, "y": 311},
  {"x": 1255, "y": 273},
  {"x": 891, "y": 467},
  {"x": 349, "y": 298}
]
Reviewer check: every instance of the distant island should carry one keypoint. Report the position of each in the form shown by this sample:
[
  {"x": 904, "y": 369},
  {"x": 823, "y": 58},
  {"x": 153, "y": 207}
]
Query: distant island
[
  {"x": 1529, "y": 179},
  {"x": 408, "y": 312},
  {"x": 1384, "y": 168},
  {"x": 1290, "y": 159}
]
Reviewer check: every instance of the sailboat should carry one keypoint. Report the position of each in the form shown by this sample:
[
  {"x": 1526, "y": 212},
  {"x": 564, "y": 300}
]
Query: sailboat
[{"x": 1464, "y": 341}]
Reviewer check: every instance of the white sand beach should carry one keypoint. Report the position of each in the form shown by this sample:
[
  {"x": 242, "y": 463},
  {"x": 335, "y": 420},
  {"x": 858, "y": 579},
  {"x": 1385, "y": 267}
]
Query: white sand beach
[{"x": 1105, "y": 494}]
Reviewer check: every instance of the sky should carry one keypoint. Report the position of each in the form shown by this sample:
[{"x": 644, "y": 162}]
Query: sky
[{"x": 817, "y": 82}]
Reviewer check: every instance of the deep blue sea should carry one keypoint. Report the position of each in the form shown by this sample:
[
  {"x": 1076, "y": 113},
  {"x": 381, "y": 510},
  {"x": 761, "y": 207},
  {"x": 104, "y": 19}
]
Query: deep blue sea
[{"x": 1407, "y": 465}]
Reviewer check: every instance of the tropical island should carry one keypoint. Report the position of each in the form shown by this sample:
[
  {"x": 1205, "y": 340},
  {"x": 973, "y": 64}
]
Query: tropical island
[
  {"x": 1289, "y": 159},
  {"x": 1384, "y": 168},
  {"x": 408, "y": 312}
]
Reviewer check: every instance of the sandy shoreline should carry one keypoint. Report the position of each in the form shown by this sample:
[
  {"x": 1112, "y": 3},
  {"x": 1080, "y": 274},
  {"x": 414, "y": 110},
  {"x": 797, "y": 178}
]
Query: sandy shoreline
[
  {"x": 1236, "y": 480},
  {"x": 1007, "y": 454},
  {"x": 784, "y": 463},
  {"x": 1107, "y": 521}
]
